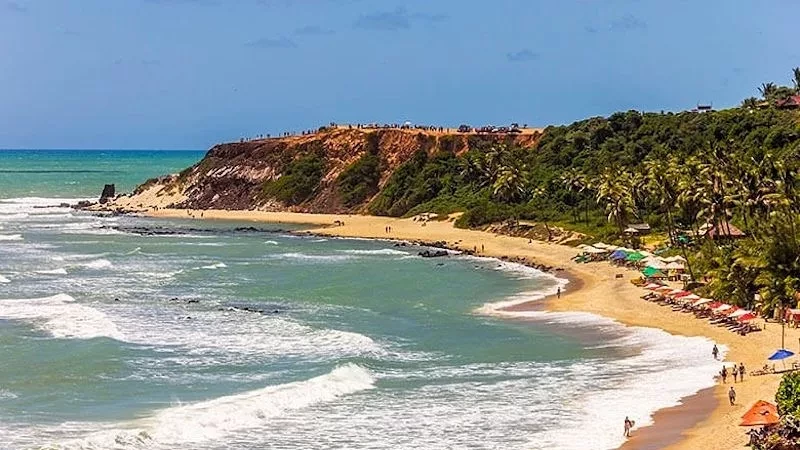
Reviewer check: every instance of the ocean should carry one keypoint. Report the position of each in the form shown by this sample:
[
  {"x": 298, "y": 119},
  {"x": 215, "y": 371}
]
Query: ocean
[{"x": 133, "y": 333}]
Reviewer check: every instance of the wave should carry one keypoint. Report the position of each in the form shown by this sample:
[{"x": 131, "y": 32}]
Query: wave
[
  {"x": 61, "y": 316},
  {"x": 271, "y": 242},
  {"x": 684, "y": 361},
  {"x": 98, "y": 264},
  {"x": 383, "y": 251},
  {"x": 219, "y": 265},
  {"x": 306, "y": 257},
  {"x": 213, "y": 420},
  {"x": 6, "y": 394},
  {"x": 318, "y": 240},
  {"x": 4, "y": 279},
  {"x": 10, "y": 237},
  {"x": 60, "y": 271}
]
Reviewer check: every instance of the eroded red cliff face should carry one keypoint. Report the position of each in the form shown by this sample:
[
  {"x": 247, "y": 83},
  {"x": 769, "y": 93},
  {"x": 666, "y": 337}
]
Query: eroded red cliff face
[{"x": 231, "y": 176}]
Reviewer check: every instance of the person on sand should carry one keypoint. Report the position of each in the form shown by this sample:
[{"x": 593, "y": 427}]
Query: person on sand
[
  {"x": 481, "y": 248},
  {"x": 724, "y": 374},
  {"x": 558, "y": 292},
  {"x": 732, "y": 396},
  {"x": 735, "y": 372},
  {"x": 628, "y": 426},
  {"x": 715, "y": 351},
  {"x": 741, "y": 371}
]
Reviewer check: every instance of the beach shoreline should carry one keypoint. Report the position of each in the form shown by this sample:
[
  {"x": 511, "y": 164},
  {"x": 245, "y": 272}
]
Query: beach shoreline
[{"x": 704, "y": 419}]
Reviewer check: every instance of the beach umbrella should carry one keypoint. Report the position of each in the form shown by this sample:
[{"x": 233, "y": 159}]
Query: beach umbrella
[
  {"x": 713, "y": 305},
  {"x": 746, "y": 317},
  {"x": 675, "y": 266},
  {"x": 780, "y": 354},
  {"x": 702, "y": 301},
  {"x": 652, "y": 286},
  {"x": 738, "y": 313},
  {"x": 635, "y": 256},
  {"x": 722, "y": 307},
  {"x": 761, "y": 414},
  {"x": 675, "y": 293},
  {"x": 654, "y": 263},
  {"x": 596, "y": 251},
  {"x": 691, "y": 297},
  {"x": 651, "y": 272},
  {"x": 619, "y": 254},
  {"x": 664, "y": 289},
  {"x": 602, "y": 245},
  {"x": 583, "y": 246}
]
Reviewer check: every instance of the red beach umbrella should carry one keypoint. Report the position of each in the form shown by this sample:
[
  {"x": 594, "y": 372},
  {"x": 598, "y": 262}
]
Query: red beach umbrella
[
  {"x": 681, "y": 294},
  {"x": 746, "y": 317},
  {"x": 761, "y": 414}
]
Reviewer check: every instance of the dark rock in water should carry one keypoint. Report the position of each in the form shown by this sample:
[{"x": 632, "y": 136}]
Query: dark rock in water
[
  {"x": 83, "y": 204},
  {"x": 64, "y": 205},
  {"x": 109, "y": 191},
  {"x": 433, "y": 253},
  {"x": 193, "y": 301}
]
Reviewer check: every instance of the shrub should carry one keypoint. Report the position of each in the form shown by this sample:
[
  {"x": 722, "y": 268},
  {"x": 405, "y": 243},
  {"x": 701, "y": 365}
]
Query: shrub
[
  {"x": 298, "y": 182},
  {"x": 360, "y": 180}
]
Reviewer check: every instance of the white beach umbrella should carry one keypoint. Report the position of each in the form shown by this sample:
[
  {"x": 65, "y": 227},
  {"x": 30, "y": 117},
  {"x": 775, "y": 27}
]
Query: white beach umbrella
[
  {"x": 595, "y": 251},
  {"x": 646, "y": 253},
  {"x": 654, "y": 263},
  {"x": 652, "y": 286},
  {"x": 601, "y": 245},
  {"x": 738, "y": 313},
  {"x": 675, "y": 266},
  {"x": 722, "y": 308},
  {"x": 690, "y": 298},
  {"x": 702, "y": 301}
]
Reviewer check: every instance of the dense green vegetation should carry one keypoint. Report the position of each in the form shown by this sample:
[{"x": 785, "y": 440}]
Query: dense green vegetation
[
  {"x": 359, "y": 181},
  {"x": 679, "y": 172},
  {"x": 299, "y": 180}
]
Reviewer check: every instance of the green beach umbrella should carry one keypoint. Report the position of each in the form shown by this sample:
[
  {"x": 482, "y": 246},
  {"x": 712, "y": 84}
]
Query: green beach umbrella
[
  {"x": 635, "y": 256},
  {"x": 652, "y": 272}
]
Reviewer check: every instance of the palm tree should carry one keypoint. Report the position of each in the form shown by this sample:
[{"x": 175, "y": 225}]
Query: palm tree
[
  {"x": 750, "y": 102},
  {"x": 796, "y": 79},
  {"x": 768, "y": 90},
  {"x": 509, "y": 185},
  {"x": 576, "y": 182},
  {"x": 614, "y": 191}
]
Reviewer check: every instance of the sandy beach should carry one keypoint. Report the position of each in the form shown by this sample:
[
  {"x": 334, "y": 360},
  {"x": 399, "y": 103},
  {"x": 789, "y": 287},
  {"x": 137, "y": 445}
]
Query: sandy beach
[{"x": 705, "y": 420}]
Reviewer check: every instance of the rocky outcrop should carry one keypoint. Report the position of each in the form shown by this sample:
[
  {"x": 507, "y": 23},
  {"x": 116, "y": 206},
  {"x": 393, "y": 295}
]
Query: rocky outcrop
[
  {"x": 109, "y": 191},
  {"x": 232, "y": 176}
]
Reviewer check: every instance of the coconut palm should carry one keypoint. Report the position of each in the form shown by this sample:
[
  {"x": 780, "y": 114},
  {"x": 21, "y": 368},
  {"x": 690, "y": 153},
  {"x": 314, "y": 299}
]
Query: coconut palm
[
  {"x": 768, "y": 90},
  {"x": 614, "y": 191},
  {"x": 796, "y": 79}
]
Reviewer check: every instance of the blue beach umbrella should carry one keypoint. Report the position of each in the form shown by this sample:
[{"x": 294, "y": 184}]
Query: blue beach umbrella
[{"x": 780, "y": 354}]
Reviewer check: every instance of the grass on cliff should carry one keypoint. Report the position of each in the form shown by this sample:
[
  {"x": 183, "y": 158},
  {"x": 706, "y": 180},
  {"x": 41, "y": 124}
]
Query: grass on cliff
[{"x": 298, "y": 182}]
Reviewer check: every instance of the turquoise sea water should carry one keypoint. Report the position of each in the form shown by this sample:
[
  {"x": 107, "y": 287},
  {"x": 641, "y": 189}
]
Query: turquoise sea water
[{"x": 131, "y": 333}]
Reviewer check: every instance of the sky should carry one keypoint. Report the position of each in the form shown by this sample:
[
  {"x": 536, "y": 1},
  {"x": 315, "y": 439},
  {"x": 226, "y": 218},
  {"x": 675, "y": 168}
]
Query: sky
[{"x": 186, "y": 74}]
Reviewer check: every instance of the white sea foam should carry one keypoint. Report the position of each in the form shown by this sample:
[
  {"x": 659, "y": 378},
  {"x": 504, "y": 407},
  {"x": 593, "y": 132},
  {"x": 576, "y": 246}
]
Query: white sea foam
[
  {"x": 10, "y": 237},
  {"x": 60, "y": 271},
  {"x": 213, "y": 420},
  {"x": 317, "y": 258},
  {"x": 383, "y": 251},
  {"x": 98, "y": 264},
  {"x": 271, "y": 242},
  {"x": 61, "y": 316},
  {"x": 666, "y": 369},
  {"x": 4, "y": 279},
  {"x": 318, "y": 240},
  {"x": 219, "y": 265}
]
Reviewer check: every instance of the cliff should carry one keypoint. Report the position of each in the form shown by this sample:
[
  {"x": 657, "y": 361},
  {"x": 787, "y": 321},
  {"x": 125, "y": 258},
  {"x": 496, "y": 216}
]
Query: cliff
[{"x": 332, "y": 171}]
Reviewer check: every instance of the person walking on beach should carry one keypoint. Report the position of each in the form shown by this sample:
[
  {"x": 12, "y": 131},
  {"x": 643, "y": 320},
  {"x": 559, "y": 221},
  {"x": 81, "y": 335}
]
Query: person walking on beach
[
  {"x": 558, "y": 292},
  {"x": 741, "y": 372},
  {"x": 724, "y": 373},
  {"x": 715, "y": 351},
  {"x": 735, "y": 372},
  {"x": 628, "y": 426},
  {"x": 732, "y": 396}
]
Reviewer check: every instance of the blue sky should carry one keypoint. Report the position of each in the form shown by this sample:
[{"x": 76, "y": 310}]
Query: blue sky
[{"x": 185, "y": 74}]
